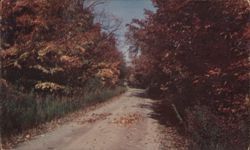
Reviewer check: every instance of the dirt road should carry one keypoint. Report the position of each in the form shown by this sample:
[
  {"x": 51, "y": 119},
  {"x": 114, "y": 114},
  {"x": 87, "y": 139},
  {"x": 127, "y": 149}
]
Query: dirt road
[{"x": 124, "y": 124}]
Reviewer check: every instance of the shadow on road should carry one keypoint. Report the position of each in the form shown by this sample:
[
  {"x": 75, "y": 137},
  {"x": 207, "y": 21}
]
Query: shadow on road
[
  {"x": 164, "y": 114},
  {"x": 162, "y": 110},
  {"x": 139, "y": 93}
]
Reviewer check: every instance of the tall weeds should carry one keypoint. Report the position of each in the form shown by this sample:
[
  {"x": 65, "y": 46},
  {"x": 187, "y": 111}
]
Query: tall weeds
[{"x": 22, "y": 111}]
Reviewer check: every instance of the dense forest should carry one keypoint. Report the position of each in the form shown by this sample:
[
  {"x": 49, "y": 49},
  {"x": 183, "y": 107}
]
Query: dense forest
[{"x": 195, "y": 55}]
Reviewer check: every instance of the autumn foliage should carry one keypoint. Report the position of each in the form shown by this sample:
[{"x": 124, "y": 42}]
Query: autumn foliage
[
  {"x": 54, "y": 45},
  {"x": 195, "y": 54},
  {"x": 54, "y": 60}
]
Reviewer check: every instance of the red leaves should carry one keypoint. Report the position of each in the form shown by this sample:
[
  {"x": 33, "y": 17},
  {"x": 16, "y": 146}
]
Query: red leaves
[
  {"x": 214, "y": 72},
  {"x": 128, "y": 120},
  {"x": 196, "y": 58}
]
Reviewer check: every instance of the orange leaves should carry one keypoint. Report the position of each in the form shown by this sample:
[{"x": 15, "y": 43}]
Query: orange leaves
[
  {"x": 55, "y": 42},
  {"x": 128, "y": 120},
  {"x": 109, "y": 73},
  {"x": 71, "y": 62},
  {"x": 105, "y": 73}
]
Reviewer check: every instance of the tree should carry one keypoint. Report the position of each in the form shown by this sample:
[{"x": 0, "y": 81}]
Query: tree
[
  {"x": 198, "y": 55},
  {"x": 55, "y": 45}
]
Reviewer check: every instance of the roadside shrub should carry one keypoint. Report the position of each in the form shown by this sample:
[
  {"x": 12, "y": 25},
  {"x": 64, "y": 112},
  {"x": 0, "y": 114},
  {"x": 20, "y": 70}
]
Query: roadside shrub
[
  {"x": 212, "y": 132},
  {"x": 21, "y": 111}
]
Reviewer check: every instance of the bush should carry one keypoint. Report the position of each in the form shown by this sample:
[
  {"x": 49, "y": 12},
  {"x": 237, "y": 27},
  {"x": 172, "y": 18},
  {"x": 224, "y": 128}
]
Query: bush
[{"x": 209, "y": 131}]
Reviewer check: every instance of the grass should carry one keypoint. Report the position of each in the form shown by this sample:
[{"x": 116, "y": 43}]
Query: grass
[{"x": 24, "y": 111}]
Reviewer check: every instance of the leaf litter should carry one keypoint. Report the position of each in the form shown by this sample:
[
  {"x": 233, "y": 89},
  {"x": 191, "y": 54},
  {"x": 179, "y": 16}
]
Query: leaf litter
[
  {"x": 128, "y": 119},
  {"x": 95, "y": 117}
]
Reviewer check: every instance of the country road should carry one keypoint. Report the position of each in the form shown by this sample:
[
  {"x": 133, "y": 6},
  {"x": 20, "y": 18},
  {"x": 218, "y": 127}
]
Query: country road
[{"x": 124, "y": 124}]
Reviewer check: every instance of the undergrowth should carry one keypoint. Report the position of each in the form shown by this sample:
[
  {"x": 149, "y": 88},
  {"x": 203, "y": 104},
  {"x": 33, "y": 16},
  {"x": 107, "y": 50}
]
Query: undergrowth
[{"x": 23, "y": 111}]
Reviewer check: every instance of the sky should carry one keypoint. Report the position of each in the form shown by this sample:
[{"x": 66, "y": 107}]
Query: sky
[{"x": 125, "y": 11}]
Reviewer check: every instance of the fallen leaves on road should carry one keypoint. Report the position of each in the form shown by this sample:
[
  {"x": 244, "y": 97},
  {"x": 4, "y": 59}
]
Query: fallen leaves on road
[
  {"x": 13, "y": 140},
  {"x": 95, "y": 117},
  {"x": 128, "y": 119},
  {"x": 174, "y": 139}
]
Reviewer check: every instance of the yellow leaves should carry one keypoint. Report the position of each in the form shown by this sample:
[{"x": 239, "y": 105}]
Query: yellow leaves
[
  {"x": 48, "y": 86},
  {"x": 105, "y": 73},
  {"x": 58, "y": 54},
  {"x": 108, "y": 72},
  {"x": 49, "y": 55},
  {"x": 17, "y": 65},
  {"x": 56, "y": 70},
  {"x": 66, "y": 59},
  {"x": 49, "y": 48},
  {"x": 71, "y": 61},
  {"x": 49, "y": 70},
  {"x": 41, "y": 68},
  {"x": 24, "y": 56},
  {"x": 10, "y": 58}
]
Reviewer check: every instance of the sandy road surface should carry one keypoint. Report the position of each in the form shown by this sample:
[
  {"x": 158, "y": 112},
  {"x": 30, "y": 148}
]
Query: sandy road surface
[{"x": 124, "y": 124}]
